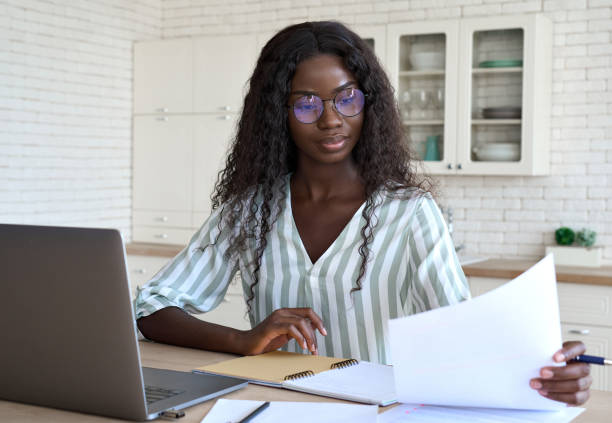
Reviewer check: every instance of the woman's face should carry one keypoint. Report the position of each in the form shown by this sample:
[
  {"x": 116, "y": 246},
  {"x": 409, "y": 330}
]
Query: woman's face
[{"x": 333, "y": 136}]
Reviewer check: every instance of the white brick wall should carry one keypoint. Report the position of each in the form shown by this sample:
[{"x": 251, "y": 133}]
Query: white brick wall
[
  {"x": 65, "y": 104},
  {"x": 65, "y": 109}
]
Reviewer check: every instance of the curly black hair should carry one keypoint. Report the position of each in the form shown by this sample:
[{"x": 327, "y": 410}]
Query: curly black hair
[{"x": 262, "y": 151}]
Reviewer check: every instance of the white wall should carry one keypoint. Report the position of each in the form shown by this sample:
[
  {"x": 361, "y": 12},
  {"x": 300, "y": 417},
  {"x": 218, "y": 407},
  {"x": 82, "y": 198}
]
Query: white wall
[
  {"x": 66, "y": 93},
  {"x": 65, "y": 109},
  {"x": 495, "y": 216}
]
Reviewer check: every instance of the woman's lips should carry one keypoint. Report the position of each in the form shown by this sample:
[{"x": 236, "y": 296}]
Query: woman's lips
[{"x": 334, "y": 143}]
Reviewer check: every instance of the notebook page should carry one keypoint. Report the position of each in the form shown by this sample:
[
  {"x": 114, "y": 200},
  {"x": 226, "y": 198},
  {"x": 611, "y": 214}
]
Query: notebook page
[{"x": 364, "y": 382}]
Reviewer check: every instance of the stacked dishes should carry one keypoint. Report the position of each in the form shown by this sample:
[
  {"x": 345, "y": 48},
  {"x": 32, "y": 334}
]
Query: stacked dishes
[
  {"x": 501, "y": 112},
  {"x": 427, "y": 60},
  {"x": 498, "y": 152}
]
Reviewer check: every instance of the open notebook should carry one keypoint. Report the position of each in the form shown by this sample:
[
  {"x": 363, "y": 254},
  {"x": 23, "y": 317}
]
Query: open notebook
[{"x": 351, "y": 380}]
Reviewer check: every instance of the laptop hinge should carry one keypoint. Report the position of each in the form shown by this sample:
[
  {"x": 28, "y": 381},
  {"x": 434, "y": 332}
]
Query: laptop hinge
[{"x": 172, "y": 414}]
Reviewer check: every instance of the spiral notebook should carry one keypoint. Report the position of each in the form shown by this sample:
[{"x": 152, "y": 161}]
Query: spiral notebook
[{"x": 347, "y": 379}]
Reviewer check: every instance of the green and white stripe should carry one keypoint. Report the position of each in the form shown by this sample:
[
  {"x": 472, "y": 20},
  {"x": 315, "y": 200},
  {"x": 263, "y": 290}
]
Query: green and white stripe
[{"x": 413, "y": 268}]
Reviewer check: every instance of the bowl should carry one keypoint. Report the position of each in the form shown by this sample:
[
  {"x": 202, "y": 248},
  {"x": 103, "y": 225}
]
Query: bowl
[
  {"x": 421, "y": 60},
  {"x": 498, "y": 152}
]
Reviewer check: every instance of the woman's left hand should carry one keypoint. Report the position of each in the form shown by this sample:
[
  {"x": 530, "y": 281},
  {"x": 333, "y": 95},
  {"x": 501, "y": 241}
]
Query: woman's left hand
[{"x": 569, "y": 383}]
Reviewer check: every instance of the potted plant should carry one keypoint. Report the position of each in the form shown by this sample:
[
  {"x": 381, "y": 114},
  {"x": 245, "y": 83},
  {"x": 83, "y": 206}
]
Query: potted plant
[{"x": 584, "y": 254}]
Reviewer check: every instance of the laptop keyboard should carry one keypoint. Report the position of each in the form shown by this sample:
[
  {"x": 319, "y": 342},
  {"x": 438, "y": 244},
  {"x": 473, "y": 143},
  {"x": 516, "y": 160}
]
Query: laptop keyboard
[{"x": 157, "y": 393}]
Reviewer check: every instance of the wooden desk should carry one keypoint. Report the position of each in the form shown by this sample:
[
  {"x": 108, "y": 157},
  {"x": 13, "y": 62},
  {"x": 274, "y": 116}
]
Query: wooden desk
[{"x": 598, "y": 409}]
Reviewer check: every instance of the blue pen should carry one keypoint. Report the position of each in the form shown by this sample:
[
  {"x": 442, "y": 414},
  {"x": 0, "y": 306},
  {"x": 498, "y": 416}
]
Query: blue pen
[{"x": 591, "y": 359}]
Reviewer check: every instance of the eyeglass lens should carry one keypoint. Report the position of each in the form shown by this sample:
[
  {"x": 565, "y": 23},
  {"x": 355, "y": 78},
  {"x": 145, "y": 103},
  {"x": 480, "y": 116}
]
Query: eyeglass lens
[{"x": 348, "y": 102}]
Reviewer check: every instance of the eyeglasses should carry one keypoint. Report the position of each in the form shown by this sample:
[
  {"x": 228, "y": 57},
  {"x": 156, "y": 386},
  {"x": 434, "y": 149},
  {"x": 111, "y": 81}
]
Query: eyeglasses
[{"x": 348, "y": 102}]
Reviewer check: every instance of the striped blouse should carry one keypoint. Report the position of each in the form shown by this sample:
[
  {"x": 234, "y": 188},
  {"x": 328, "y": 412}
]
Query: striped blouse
[{"x": 412, "y": 268}]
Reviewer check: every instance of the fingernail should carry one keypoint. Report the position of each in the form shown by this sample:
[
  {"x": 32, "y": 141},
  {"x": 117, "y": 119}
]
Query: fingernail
[
  {"x": 559, "y": 357},
  {"x": 324, "y": 332},
  {"x": 543, "y": 392},
  {"x": 304, "y": 345},
  {"x": 535, "y": 384},
  {"x": 547, "y": 374}
]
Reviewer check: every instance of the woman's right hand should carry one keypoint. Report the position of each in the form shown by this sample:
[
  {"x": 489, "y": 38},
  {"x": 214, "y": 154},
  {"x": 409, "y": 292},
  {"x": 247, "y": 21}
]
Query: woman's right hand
[{"x": 280, "y": 327}]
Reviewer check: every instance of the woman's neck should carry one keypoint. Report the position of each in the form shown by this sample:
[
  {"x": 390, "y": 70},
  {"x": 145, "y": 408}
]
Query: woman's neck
[{"x": 320, "y": 182}]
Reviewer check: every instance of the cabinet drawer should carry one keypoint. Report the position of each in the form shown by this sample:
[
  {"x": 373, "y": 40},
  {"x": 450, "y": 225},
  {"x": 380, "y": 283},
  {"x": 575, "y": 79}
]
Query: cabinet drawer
[
  {"x": 162, "y": 219},
  {"x": 142, "y": 268},
  {"x": 479, "y": 286},
  {"x": 598, "y": 341},
  {"x": 231, "y": 312},
  {"x": 174, "y": 236},
  {"x": 587, "y": 304}
]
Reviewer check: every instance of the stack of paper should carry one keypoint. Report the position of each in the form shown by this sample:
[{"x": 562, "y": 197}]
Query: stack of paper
[{"x": 226, "y": 410}]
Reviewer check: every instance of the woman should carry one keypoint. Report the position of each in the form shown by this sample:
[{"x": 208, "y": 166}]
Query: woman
[{"x": 322, "y": 213}]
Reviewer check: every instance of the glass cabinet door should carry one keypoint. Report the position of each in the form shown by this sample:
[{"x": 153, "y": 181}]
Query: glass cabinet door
[
  {"x": 422, "y": 64},
  {"x": 496, "y": 95},
  {"x": 504, "y": 106}
]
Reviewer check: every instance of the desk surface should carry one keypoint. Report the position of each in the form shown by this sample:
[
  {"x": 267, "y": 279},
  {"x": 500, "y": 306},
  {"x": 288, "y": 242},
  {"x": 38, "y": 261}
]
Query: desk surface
[{"x": 164, "y": 356}]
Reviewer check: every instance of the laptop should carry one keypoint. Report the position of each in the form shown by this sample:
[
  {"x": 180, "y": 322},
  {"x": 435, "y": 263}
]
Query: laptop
[{"x": 68, "y": 331}]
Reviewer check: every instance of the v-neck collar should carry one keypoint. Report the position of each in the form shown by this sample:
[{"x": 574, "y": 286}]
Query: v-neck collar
[{"x": 335, "y": 245}]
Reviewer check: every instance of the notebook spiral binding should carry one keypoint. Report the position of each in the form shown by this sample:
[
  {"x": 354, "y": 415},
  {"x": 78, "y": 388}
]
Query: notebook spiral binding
[
  {"x": 344, "y": 363},
  {"x": 299, "y": 375}
]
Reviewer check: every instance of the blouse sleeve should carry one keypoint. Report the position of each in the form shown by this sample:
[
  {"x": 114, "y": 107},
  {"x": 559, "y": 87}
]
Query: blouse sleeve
[
  {"x": 196, "y": 279},
  {"x": 435, "y": 277}
]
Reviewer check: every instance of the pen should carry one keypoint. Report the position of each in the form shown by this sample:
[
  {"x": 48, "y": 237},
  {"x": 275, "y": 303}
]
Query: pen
[
  {"x": 255, "y": 412},
  {"x": 593, "y": 359}
]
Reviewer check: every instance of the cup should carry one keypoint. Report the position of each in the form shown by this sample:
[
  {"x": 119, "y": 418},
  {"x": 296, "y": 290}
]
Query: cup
[{"x": 432, "y": 152}]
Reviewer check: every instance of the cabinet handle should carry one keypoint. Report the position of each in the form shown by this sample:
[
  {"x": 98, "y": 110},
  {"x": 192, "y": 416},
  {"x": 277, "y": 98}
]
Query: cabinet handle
[
  {"x": 449, "y": 166},
  {"x": 162, "y": 110},
  {"x": 162, "y": 219},
  {"x": 162, "y": 118},
  {"x": 580, "y": 331},
  {"x": 162, "y": 236},
  {"x": 140, "y": 271},
  {"x": 225, "y": 117},
  {"x": 226, "y": 108},
  {"x": 459, "y": 166}
]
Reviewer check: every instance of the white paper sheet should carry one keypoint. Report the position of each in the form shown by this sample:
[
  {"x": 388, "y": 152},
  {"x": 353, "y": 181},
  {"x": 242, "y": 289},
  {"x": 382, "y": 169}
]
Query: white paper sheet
[
  {"x": 409, "y": 413},
  {"x": 226, "y": 410},
  {"x": 482, "y": 352}
]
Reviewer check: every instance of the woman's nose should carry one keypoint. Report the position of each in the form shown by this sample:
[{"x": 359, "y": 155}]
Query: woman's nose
[{"x": 330, "y": 118}]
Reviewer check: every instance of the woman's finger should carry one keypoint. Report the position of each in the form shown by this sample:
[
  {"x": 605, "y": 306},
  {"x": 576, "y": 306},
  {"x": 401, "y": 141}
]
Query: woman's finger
[
  {"x": 297, "y": 335},
  {"x": 304, "y": 326},
  {"x": 314, "y": 318},
  {"x": 570, "y": 371},
  {"x": 570, "y": 350},
  {"x": 563, "y": 386},
  {"x": 576, "y": 398}
]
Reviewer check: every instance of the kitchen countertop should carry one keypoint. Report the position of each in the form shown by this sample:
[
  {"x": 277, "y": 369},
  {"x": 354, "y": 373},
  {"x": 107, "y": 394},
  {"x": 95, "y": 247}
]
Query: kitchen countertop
[
  {"x": 491, "y": 268},
  {"x": 508, "y": 269}
]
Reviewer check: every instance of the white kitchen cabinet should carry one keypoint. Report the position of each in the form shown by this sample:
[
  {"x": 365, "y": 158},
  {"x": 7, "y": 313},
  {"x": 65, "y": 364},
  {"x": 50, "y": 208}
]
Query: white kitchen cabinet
[
  {"x": 586, "y": 315},
  {"x": 475, "y": 94},
  {"x": 222, "y": 67},
  {"x": 211, "y": 144},
  {"x": 179, "y": 146},
  {"x": 163, "y": 151},
  {"x": 163, "y": 76}
]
